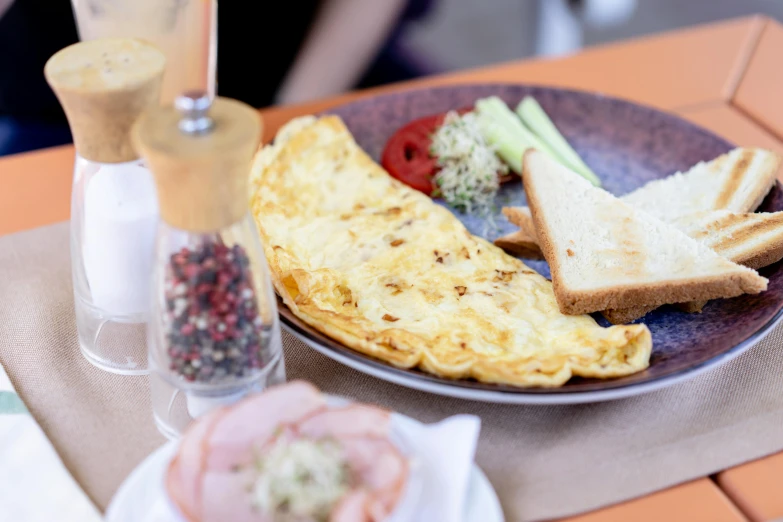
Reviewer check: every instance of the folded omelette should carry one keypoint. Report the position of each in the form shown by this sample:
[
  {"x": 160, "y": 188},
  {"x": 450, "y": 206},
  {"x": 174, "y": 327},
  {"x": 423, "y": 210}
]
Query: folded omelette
[{"x": 389, "y": 273}]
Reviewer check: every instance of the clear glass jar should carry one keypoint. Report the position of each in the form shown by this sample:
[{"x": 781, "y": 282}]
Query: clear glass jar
[
  {"x": 114, "y": 215},
  {"x": 214, "y": 333}
]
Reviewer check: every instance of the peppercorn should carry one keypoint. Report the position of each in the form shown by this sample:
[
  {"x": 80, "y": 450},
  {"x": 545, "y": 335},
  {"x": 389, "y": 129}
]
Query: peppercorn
[{"x": 211, "y": 321}]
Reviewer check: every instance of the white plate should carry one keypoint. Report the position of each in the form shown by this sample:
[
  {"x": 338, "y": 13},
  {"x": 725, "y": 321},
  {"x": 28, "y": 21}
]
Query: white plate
[{"x": 141, "y": 496}]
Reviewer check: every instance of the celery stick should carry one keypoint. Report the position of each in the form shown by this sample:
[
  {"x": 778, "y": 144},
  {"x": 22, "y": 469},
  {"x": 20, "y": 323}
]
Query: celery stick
[
  {"x": 497, "y": 109},
  {"x": 509, "y": 148},
  {"x": 534, "y": 117}
]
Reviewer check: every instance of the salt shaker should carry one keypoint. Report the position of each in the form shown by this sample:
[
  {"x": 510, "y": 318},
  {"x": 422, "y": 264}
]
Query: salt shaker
[
  {"x": 214, "y": 335},
  {"x": 103, "y": 86}
]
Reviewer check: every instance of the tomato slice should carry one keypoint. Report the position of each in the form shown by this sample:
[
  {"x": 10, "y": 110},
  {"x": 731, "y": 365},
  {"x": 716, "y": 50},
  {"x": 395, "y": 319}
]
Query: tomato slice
[{"x": 407, "y": 153}]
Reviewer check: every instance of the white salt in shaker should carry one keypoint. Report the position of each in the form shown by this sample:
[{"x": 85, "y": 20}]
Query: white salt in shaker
[{"x": 103, "y": 86}]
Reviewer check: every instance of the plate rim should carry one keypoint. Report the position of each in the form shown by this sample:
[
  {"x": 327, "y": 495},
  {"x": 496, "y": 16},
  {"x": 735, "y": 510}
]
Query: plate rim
[{"x": 541, "y": 396}]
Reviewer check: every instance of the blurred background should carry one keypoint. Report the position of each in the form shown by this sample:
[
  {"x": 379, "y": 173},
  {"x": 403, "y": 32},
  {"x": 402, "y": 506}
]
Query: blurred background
[
  {"x": 289, "y": 52},
  {"x": 466, "y": 33}
]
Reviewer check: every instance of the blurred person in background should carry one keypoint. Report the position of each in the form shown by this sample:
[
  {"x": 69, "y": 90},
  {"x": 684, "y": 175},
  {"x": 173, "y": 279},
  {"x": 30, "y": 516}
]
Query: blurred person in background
[
  {"x": 561, "y": 24},
  {"x": 311, "y": 52},
  {"x": 268, "y": 52},
  {"x": 30, "y": 32}
]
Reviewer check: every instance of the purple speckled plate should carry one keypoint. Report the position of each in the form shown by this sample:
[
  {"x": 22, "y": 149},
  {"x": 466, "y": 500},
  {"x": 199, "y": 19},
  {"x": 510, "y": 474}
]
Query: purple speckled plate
[{"x": 627, "y": 145}]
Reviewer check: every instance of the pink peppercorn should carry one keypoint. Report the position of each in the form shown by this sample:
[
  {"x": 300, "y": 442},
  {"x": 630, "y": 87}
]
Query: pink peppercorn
[{"x": 211, "y": 313}]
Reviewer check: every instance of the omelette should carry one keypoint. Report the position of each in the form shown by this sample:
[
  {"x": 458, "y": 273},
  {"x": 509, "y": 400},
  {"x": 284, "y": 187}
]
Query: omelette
[{"x": 384, "y": 270}]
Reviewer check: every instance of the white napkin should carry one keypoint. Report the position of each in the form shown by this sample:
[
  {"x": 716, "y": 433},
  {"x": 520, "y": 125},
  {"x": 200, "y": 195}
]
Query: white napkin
[
  {"x": 446, "y": 450},
  {"x": 34, "y": 484}
]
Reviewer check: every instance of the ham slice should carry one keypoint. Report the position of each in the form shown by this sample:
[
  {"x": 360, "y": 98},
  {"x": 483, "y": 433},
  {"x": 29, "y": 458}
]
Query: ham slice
[
  {"x": 355, "y": 420},
  {"x": 174, "y": 488},
  {"x": 381, "y": 469},
  {"x": 352, "y": 508},
  {"x": 211, "y": 477},
  {"x": 226, "y": 498},
  {"x": 251, "y": 422},
  {"x": 191, "y": 459}
]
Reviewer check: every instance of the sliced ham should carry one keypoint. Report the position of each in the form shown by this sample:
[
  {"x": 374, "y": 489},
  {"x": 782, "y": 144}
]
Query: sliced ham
[
  {"x": 363, "y": 431},
  {"x": 174, "y": 488},
  {"x": 226, "y": 498},
  {"x": 355, "y": 420},
  {"x": 381, "y": 469},
  {"x": 191, "y": 457},
  {"x": 254, "y": 420},
  {"x": 352, "y": 508},
  {"x": 211, "y": 477}
]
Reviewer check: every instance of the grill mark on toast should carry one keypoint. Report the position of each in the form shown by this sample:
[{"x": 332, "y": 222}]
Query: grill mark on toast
[
  {"x": 710, "y": 232},
  {"x": 726, "y": 222},
  {"x": 738, "y": 171},
  {"x": 748, "y": 231},
  {"x": 717, "y": 164},
  {"x": 771, "y": 251}
]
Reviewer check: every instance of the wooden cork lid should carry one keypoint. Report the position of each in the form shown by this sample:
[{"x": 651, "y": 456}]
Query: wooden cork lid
[
  {"x": 103, "y": 86},
  {"x": 200, "y": 152}
]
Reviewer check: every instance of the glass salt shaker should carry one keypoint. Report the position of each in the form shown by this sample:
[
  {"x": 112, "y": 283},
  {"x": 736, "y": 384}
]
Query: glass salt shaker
[
  {"x": 214, "y": 333},
  {"x": 103, "y": 86}
]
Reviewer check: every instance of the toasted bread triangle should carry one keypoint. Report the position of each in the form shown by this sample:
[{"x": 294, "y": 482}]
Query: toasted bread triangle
[
  {"x": 737, "y": 182},
  {"x": 605, "y": 254},
  {"x": 738, "y": 179},
  {"x": 521, "y": 244},
  {"x": 754, "y": 240}
]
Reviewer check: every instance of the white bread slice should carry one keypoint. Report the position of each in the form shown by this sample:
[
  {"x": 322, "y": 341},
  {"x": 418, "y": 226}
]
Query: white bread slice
[
  {"x": 628, "y": 315},
  {"x": 605, "y": 254},
  {"x": 521, "y": 217},
  {"x": 736, "y": 181},
  {"x": 521, "y": 244},
  {"x": 745, "y": 175},
  {"x": 752, "y": 240}
]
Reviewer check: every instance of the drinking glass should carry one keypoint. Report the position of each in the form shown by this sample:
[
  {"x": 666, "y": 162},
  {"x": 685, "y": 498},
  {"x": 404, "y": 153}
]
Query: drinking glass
[{"x": 185, "y": 30}]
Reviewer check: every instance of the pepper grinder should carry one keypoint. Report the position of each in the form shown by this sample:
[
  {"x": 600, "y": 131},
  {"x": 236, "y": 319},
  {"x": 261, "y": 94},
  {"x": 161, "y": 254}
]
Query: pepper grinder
[
  {"x": 103, "y": 86},
  {"x": 214, "y": 335}
]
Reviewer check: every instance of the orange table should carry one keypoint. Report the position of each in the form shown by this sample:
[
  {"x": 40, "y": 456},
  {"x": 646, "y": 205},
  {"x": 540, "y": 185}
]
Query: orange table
[{"x": 723, "y": 76}]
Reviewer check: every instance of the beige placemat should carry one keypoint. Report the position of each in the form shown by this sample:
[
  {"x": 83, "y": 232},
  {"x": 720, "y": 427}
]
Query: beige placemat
[{"x": 544, "y": 462}]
